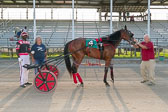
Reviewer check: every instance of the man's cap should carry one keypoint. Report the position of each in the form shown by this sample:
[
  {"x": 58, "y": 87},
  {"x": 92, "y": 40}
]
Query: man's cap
[{"x": 24, "y": 34}]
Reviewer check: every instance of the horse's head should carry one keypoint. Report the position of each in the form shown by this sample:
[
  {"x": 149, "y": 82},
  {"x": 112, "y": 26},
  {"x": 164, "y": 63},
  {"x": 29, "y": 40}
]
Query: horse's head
[{"x": 127, "y": 35}]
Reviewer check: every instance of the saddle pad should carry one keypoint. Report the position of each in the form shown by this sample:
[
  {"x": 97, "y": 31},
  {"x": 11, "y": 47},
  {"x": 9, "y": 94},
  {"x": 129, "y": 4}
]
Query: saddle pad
[{"x": 91, "y": 43}]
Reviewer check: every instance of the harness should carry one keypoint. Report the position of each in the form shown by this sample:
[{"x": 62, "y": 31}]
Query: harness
[
  {"x": 101, "y": 46},
  {"x": 98, "y": 44}
]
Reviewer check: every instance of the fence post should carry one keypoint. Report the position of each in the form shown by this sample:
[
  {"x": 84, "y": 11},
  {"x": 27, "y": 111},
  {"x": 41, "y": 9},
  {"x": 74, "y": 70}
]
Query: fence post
[
  {"x": 135, "y": 52},
  {"x": 126, "y": 50},
  {"x": 83, "y": 29},
  {"x": 158, "y": 52},
  {"x": 131, "y": 52}
]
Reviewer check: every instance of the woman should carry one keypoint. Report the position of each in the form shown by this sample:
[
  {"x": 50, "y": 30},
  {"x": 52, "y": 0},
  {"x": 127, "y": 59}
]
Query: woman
[{"x": 38, "y": 52}]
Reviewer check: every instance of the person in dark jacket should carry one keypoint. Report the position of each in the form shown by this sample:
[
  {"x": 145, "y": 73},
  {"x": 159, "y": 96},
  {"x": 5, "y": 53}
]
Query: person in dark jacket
[{"x": 38, "y": 52}]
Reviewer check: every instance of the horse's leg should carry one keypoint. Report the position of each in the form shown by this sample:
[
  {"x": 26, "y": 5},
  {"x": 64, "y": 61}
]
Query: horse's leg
[
  {"x": 112, "y": 75},
  {"x": 74, "y": 71},
  {"x": 105, "y": 72},
  {"x": 105, "y": 76},
  {"x": 76, "y": 74},
  {"x": 75, "y": 66}
]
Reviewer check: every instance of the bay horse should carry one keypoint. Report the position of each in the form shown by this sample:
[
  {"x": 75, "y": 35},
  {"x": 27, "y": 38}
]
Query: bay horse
[{"x": 79, "y": 49}]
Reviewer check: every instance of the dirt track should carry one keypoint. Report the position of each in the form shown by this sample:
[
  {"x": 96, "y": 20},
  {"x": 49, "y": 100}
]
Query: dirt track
[{"x": 126, "y": 95}]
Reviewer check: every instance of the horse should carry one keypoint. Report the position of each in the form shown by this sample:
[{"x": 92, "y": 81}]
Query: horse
[{"x": 78, "y": 50}]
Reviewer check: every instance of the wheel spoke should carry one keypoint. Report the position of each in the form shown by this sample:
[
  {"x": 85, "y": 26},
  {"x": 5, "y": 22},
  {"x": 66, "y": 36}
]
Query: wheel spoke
[
  {"x": 47, "y": 67},
  {"x": 39, "y": 78},
  {"x": 46, "y": 76},
  {"x": 40, "y": 85},
  {"x": 50, "y": 81},
  {"x": 54, "y": 70},
  {"x": 47, "y": 87},
  {"x": 42, "y": 76}
]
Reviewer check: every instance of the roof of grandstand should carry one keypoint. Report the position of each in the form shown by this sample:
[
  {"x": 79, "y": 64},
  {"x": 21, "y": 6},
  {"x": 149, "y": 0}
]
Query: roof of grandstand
[{"x": 118, "y": 5}]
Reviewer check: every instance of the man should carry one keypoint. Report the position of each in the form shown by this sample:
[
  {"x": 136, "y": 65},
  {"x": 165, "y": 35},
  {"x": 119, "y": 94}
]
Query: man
[
  {"x": 22, "y": 51},
  {"x": 105, "y": 16},
  {"x": 120, "y": 16},
  {"x": 24, "y": 29},
  {"x": 124, "y": 17},
  {"x": 148, "y": 60},
  {"x": 132, "y": 18}
]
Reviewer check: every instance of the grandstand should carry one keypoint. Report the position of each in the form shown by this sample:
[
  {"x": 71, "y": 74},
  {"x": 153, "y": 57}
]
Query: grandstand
[{"x": 56, "y": 33}]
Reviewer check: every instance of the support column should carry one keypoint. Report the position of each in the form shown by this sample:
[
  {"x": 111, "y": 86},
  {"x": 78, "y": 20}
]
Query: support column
[
  {"x": 27, "y": 13},
  {"x": 111, "y": 10},
  {"x": 8, "y": 15},
  {"x": 148, "y": 18},
  {"x": 100, "y": 19},
  {"x": 76, "y": 10},
  {"x": 73, "y": 33},
  {"x": 51, "y": 13},
  {"x": 34, "y": 18},
  {"x": 2, "y": 12}
]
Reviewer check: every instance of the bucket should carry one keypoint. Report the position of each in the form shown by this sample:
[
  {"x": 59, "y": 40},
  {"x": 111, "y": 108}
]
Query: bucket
[{"x": 161, "y": 58}]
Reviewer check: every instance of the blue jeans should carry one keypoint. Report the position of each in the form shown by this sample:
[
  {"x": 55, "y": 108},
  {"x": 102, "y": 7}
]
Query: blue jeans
[{"x": 39, "y": 62}]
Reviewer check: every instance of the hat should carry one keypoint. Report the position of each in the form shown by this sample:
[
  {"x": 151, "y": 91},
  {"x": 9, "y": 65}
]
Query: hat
[{"x": 24, "y": 34}]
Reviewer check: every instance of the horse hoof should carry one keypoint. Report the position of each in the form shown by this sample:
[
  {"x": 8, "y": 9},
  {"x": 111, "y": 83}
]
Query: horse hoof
[
  {"x": 107, "y": 85},
  {"x": 80, "y": 85}
]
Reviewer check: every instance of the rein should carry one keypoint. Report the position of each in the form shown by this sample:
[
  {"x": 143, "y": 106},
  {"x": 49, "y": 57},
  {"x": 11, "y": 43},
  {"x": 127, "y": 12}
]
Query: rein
[{"x": 110, "y": 45}]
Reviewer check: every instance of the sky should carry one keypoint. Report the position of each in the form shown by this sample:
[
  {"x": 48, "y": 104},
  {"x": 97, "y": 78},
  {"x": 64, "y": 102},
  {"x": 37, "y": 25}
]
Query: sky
[{"x": 66, "y": 14}]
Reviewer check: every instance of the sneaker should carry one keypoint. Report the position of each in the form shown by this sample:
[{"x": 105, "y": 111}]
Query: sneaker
[
  {"x": 151, "y": 84},
  {"x": 143, "y": 81},
  {"x": 28, "y": 83},
  {"x": 23, "y": 86}
]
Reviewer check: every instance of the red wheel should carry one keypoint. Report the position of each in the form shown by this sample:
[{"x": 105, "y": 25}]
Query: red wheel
[
  {"x": 46, "y": 81},
  {"x": 52, "y": 68}
]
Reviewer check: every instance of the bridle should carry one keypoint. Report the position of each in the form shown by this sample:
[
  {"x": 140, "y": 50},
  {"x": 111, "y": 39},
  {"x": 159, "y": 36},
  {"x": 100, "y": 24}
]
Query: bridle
[{"x": 131, "y": 38}]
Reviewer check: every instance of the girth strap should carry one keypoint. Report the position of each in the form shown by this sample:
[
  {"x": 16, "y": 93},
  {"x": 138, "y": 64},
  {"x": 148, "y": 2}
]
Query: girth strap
[{"x": 101, "y": 50}]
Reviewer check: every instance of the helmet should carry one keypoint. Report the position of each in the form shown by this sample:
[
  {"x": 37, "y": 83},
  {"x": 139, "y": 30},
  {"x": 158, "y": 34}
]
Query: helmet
[{"x": 24, "y": 34}]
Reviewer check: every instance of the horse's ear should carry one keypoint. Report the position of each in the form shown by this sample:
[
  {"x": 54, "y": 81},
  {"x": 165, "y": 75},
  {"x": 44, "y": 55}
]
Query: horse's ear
[{"x": 125, "y": 27}]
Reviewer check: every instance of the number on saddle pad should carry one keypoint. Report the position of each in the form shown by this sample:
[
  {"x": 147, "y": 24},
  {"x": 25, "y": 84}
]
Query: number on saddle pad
[{"x": 91, "y": 43}]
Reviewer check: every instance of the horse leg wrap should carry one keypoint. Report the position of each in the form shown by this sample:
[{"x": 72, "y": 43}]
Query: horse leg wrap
[
  {"x": 79, "y": 77},
  {"x": 74, "y": 78}
]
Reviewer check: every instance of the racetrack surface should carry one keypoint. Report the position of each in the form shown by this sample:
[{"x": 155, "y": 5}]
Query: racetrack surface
[{"x": 127, "y": 94}]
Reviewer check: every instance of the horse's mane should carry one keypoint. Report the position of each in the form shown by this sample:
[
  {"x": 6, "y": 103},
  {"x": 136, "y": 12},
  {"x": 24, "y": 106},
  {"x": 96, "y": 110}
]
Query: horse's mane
[{"x": 112, "y": 38}]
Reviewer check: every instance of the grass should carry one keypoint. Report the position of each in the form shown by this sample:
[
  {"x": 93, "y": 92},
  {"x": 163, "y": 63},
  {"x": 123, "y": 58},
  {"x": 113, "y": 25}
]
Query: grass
[{"x": 122, "y": 55}]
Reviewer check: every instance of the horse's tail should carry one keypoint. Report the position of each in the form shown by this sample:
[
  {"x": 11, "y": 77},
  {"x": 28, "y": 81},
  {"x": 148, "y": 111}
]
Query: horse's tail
[{"x": 67, "y": 59}]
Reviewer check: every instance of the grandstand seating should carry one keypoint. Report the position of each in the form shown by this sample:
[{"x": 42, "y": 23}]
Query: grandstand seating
[{"x": 57, "y": 33}]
